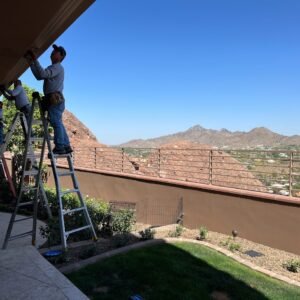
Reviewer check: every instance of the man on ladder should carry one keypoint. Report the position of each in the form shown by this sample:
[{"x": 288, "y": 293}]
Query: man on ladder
[
  {"x": 53, "y": 84},
  {"x": 53, "y": 77},
  {"x": 19, "y": 95}
]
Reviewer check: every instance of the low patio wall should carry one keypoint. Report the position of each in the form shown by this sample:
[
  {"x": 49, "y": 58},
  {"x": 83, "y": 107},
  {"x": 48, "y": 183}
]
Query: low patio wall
[{"x": 271, "y": 220}]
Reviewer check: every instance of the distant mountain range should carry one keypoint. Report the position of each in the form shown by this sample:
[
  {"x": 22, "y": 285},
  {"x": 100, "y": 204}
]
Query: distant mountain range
[{"x": 257, "y": 137}]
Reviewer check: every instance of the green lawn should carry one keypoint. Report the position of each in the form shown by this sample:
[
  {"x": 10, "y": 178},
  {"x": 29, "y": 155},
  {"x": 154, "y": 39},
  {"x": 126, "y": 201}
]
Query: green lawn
[{"x": 178, "y": 271}]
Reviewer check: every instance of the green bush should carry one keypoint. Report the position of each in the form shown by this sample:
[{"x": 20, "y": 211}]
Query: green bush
[
  {"x": 103, "y": 219},
  {"x": 292, "y": 265},
  {"x": 98, "y": 211},
  {"x": 122, "y": 221},
  {"x": 203, "y": 232},
  {"x": 147, "y": 234},
  {"x": 234, "y": 247},
  {"x": 226, "y": 242},
  {"x": 51, "y": 232},
  {"x": 230, "y": 244},
  {"x": 178, "y": 231}
]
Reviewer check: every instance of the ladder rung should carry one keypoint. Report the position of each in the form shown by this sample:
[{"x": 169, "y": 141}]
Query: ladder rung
[
  {"x": 77, "y": 229},
  {"x": 17, "y": 236},
  {"x": 29, "y": 188},
  {"x": 31, "y": 173},
  {"x": 36, "y": 139},
  {"x": 66, "y": 212},
  {"x": 33, "y": 155},
  {"x": 61, "y": 155},
  {"x": 37, "y": 122},
  {"x": 25, "y": 203},
  {"x": 65, "y": 173},
  {"x": 69, "y": 191},
  {"x": 23, "y": 219}
]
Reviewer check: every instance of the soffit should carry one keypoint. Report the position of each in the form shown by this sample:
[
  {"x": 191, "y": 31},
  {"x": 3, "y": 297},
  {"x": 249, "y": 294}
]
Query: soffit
[{"x": 32, "y": 24}]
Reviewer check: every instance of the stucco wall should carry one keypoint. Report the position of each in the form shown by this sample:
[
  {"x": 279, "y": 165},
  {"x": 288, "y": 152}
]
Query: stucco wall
[{"x": 273, "y": 222}]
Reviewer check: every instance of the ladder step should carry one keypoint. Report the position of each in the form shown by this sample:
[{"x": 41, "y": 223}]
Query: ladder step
[
  {"x": 65, "y": 173},
  {"x": 69, "y": 191},
  {"x": 23, "y": 219},
  {"x": 77, "y": 229},
  {"x": 36, "y": 139},
  {"x": 17, "y": 236},
  {"x": 25, "y": 203},
  {"x": 37, "y": 122},
  {"x": 33, "y": 156},
  {"x": 62, "y": 155},
  {"x": 29, "y": 188},
  {"x": 31, "y": 172},
  {"x": 66, "y": 212}
]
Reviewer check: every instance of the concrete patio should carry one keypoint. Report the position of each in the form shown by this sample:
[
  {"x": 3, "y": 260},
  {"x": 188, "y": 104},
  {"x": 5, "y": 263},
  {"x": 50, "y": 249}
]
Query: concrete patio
[{"x": 26, "y": 274}]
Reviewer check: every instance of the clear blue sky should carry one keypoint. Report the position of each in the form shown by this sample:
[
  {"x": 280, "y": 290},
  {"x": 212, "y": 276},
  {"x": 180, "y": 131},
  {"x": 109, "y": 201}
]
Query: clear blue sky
[{"x": 146, "y": 68}]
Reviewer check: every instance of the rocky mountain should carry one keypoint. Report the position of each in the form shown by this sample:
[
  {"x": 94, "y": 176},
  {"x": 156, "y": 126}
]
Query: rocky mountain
[
  {"x": 259, "y": 136},
  {"x": 79, "y": 134}
]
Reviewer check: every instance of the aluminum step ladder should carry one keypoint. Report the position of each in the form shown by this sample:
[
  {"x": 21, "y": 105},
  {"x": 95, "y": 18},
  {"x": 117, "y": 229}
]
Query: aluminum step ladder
[
  {"x": 31, "y": 168},
  {"x": 20, "y": 119},
  {"x": 62, "y": 213}
]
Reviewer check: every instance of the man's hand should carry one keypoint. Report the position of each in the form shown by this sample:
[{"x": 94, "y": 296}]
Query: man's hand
[{"x": 30, "y": 56}]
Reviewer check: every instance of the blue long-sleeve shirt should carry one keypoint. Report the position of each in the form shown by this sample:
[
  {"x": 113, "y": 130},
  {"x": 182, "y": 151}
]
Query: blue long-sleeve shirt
[
  {"x": 20, "y": 96},
  {"x": 53, "y": 76}
]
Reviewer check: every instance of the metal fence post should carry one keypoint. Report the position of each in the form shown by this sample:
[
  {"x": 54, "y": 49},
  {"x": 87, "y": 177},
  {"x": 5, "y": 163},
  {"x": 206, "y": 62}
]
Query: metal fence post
[
  {"x": 291, "y": 174},
  {"x": 122, "y": 160},
  {"x": 95, "y": 157},
  {"x": 158, "y": 162},
  {"x": 210, "y": 166}
]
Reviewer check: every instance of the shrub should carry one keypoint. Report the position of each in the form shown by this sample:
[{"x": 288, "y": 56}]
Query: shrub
[
  {"x": 292, "y": 265},
  {"x": 51, "y": 232},
  {"x": 203, "y": 232},
  {"x": 225, "y": 243},
  {"x": 234, "y": 247},
  {"x": 98, "y": 211},
  {"x": 122, "y": 220},
  {"x": 177, "y": 233},
  {"x": 103, "y": 219},
  {"x": 147, "y": 234}
]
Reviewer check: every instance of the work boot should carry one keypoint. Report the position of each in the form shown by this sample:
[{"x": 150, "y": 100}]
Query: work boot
[
  {"x": 58, "y": 151},
  {"x": 68, "y": 149}
]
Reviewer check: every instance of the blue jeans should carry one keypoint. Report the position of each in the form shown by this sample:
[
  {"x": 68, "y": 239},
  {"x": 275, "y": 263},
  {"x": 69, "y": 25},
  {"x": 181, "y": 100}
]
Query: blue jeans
[
  {"x": 1, "y": 133},
  {"x": 26, "y": 110},
  {"x": 61, "y": 139}
]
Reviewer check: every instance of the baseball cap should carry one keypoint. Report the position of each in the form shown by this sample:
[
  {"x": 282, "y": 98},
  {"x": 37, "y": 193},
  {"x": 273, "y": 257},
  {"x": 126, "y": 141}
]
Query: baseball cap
[{"x": 60, "y": 49}]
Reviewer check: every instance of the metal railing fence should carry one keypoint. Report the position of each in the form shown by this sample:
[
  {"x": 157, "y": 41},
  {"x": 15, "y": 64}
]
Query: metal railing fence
[{"x": 266, "y": 171}]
